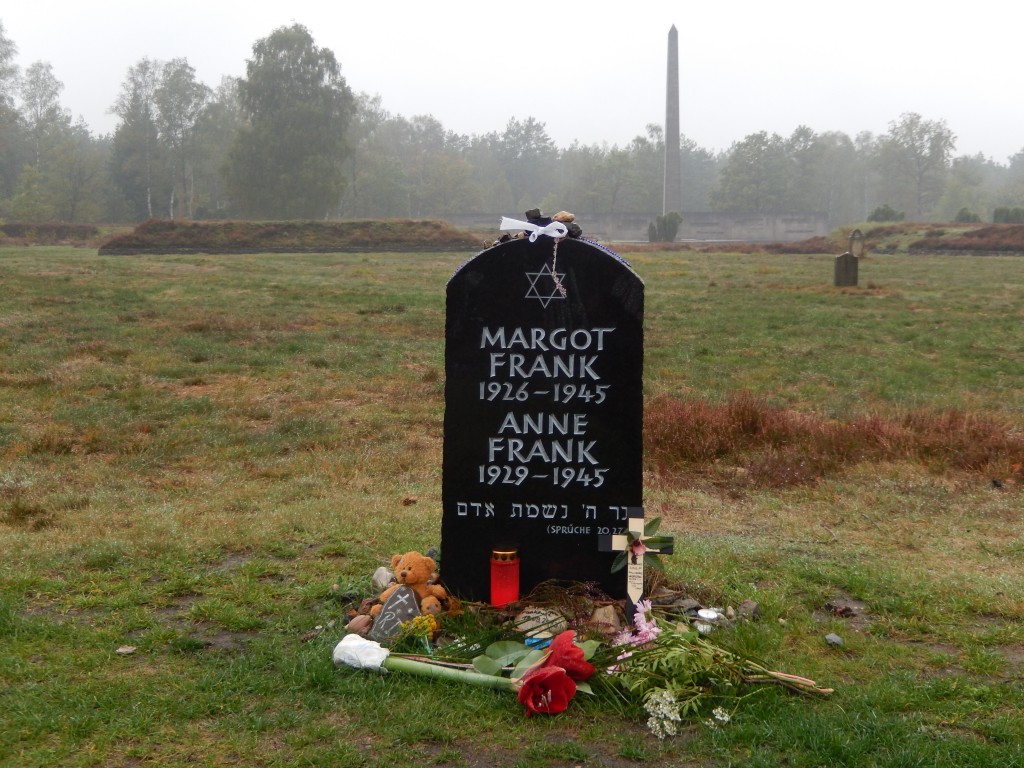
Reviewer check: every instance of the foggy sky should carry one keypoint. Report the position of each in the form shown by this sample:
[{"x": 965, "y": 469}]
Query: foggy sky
[{"x": 591, "y": 71}]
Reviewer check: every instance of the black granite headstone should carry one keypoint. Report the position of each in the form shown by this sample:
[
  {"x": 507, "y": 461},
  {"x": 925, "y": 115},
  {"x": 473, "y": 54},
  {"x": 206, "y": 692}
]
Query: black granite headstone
[{"x": 543, "y": 428}]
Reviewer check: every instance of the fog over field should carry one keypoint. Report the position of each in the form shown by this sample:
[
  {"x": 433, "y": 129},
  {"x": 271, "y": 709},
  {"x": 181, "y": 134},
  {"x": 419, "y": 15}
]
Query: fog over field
[{"x": 592, "y": 73}]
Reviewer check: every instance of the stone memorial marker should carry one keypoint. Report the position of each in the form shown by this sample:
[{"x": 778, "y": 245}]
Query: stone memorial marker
[
  {"x": 402, "y": 606},
  {"x": 543, "y": 427},
  {"x": 846, "y": 266}
]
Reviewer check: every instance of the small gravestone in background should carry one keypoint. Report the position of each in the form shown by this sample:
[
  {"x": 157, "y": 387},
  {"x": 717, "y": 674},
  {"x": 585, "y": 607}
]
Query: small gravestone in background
[
  {"x": 846, "y": 266},
  {"x": 543, "y": 427}
]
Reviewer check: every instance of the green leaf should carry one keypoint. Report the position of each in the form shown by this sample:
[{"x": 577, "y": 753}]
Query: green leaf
[
  {"x": 620, "y": 562},
  {"x": 533, "y": 657},
  {"x": 503, "y": 648},
  {"x": 505, "y": 652},
  {"x": 584, "y": 687},
  {"x": 657, "y": 542},
  {"x": 485, "y": 665},
  {"x": 651, "y": 527},
  {"x": 655, "y": 562},
  {"x": 589, "y": 648}
]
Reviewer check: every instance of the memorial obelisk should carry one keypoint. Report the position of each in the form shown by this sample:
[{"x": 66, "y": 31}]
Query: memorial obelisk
[{"x": 673, "y": 197}]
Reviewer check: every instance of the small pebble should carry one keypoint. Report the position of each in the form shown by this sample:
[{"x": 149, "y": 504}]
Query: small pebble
[
  {"x": 126, "y": 650},
  {"x": 607, "y": 617},
  {"x": 750, "y": 610},
  {"x": 382, "y": 577},
  {"x": 360, "y": 625},
  {"x": 834, "y": 640}
]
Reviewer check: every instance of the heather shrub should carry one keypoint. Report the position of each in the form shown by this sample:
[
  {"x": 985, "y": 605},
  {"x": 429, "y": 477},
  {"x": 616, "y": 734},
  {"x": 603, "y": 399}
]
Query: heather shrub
[
  {"x": 664, "y": 228},
  {"x": 997, "y": 238},
  {"x": 966, "y": 216},
  {"x": 166, "y": 236},
  {"x": 48, "y": 233},
  {"x": 886, "y": 213},
  {"x": 747, "y": 441},
  {"x": 1006, "y": 215}
]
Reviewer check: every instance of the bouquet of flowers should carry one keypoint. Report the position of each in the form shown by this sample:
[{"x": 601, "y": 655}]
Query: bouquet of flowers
[{"x": 670, "y": 672}]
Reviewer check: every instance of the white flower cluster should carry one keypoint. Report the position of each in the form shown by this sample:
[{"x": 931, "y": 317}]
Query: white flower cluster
[
  {"x": 663, "y": 709},
  {"x": 718, "y": 718}
]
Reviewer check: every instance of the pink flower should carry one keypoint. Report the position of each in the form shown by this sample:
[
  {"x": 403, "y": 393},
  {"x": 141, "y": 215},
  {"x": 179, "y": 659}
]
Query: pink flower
[{"x": 643, "y": 631}]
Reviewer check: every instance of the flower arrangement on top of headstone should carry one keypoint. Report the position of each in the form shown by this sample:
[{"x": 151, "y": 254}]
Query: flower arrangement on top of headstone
[{"x": 543, "y": 411}]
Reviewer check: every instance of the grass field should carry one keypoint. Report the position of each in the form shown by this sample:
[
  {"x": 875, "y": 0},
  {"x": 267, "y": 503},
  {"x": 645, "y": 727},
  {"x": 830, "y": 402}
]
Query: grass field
[{"x": 205, "y": 458}]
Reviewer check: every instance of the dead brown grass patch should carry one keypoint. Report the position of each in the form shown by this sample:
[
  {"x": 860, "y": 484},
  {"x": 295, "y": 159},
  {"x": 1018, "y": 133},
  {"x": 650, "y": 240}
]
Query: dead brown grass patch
[
  {"x": 746, "y": 442},
  {"x": 996, "y": 238},
  {"x": 234, "y": 237}
]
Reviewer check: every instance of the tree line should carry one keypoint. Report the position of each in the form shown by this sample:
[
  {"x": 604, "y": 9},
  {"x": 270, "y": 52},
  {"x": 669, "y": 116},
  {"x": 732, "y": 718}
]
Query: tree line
[{"x": 290, "y": 140}]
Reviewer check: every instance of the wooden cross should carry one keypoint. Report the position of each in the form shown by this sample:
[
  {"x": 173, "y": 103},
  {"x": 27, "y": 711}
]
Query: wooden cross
[{"x": 634, "y": 543}]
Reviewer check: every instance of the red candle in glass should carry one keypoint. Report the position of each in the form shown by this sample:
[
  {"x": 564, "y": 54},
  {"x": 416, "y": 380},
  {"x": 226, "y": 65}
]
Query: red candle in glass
[{"x": 504, "y": 577}]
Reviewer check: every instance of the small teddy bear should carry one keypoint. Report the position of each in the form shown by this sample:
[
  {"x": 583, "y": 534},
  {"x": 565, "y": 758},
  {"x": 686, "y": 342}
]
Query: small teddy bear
[{"x": 415, "y": 570}]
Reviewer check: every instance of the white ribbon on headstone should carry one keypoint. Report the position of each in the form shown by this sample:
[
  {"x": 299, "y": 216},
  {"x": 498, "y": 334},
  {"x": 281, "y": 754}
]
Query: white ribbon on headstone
[{"x": 555, "y": 229}]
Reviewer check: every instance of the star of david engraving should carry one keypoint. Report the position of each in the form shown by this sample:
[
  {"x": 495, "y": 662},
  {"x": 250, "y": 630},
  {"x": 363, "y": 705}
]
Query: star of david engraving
[{"x": 545, "y": 286}]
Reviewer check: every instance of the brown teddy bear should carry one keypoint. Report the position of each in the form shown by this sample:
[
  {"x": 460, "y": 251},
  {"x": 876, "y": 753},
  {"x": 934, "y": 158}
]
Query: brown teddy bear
[{"x": 416, "y": 571}]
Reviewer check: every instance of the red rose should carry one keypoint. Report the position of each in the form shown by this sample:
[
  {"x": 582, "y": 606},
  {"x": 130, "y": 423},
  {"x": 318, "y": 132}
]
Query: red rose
[
  {"x": 547, "y": 690},
  {"x": 569, "y": 656}
]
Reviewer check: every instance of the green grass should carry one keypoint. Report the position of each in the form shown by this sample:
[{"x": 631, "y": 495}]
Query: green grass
[
  {"x": 205, "y": 458},
  {"x": 942, "y": 332}
]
